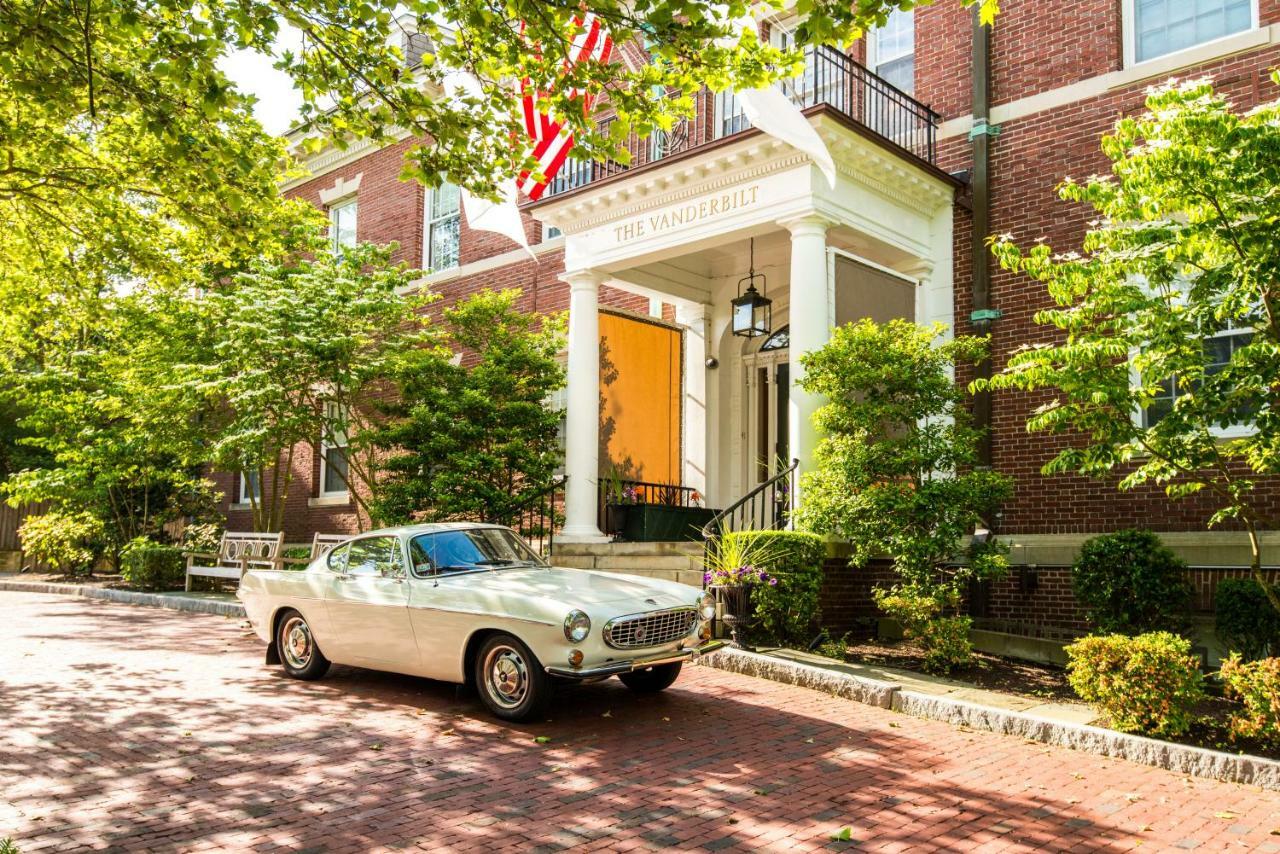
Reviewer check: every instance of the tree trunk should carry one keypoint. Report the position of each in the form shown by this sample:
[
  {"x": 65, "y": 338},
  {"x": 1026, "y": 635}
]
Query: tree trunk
[{"x": 1255, "y": 547}]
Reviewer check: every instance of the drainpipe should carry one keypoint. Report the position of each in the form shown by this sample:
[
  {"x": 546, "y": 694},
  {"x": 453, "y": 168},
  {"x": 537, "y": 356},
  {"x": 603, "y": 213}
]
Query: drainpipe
[{"x": 982, "y": 314}]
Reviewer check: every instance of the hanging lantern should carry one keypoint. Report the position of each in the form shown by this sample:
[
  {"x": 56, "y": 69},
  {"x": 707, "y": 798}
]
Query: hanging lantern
[{"x": 752, "y": 310}]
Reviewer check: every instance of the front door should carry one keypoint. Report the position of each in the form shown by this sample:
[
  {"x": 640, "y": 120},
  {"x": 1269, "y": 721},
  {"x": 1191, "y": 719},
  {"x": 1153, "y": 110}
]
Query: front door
[
  {"x": 368, "y": 605},
  {"x": 768, "y": 380}
]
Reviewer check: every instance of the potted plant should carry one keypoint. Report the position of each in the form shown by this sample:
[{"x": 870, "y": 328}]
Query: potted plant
[
  {"x": 733, "y": 571},
  {"x": 619, "y": 497}
]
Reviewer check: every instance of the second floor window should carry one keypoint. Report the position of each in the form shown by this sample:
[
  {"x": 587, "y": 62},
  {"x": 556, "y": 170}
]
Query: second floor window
[
  {"x": 1164, "y": 26},
  {"x": 893, "y": 50},
  {"x": 443, "y": 227},
  {"x": 342, "y": 225}
]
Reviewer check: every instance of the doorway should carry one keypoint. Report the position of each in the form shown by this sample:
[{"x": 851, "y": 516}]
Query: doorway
[{"x": 768, "y": 394}]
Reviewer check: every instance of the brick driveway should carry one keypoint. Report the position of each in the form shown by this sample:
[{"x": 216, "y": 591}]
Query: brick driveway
[{"x": 131, "y": 728}]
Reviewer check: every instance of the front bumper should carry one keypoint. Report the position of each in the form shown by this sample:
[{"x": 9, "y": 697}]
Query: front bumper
[{"x": 614, "y": 667}]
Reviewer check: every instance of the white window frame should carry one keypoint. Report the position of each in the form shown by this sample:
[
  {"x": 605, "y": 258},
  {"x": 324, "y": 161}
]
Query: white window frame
[
  {"x": 244, "y": 479},
  {"x": 334, "y": 212},
  {"x": 873, "y": 48},
  {"x": 1235, "y": 431},
  {"x": 326, "y": 444},
  {"x": 1129, "y": 26},
  {"x": 428, "y": 200}
]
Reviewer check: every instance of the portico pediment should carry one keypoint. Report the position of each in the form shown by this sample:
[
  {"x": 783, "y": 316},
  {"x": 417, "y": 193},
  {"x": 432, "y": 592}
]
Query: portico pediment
[{"x": 747, "y": 182}]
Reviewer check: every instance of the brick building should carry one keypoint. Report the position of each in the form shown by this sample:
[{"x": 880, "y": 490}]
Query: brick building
[{"x": 666, "y": 241}]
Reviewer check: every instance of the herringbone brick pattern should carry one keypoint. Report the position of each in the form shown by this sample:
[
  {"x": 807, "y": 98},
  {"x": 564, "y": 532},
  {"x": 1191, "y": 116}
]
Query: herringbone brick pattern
[{"x": 134, "y": 729}]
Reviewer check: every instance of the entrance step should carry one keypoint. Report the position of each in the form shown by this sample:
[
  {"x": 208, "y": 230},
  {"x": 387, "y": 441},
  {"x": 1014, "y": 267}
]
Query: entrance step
[{"x": 675, "y": 561}]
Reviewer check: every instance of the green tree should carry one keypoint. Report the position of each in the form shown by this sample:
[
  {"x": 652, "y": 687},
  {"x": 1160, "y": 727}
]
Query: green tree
[
  {"x": 102, "y": 431},
  {"x": 300, "y": 353},
  {"x": 119, "y": 101},
  {"x": 475, "y": 438},
  {"x": 896, "y": 474},
  {"x": 1167, "y": 368}
]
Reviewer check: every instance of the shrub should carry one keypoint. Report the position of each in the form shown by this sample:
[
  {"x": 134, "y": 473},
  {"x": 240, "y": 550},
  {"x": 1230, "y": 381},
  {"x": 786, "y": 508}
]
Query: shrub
[
  {"x": 63, "y": 540},
  {"x": 943, "y": 639},
  {"x": 152, "y": 566},
  {"x": 1244, "y": 618},
  {"x": 1147, "y": 683},
  {"x": 1256, "y": 684},
  {"x": 784, "y": 603},
  {"x": 202, "y": 537},
  {"x": 1129, "y": 583}
]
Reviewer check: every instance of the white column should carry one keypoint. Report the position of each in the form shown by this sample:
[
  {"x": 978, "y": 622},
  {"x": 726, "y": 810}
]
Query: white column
[
  {"x": 582, "y": 417},
  {"x": 810, "y": 326},
  {"x": 694, "y": 415}
]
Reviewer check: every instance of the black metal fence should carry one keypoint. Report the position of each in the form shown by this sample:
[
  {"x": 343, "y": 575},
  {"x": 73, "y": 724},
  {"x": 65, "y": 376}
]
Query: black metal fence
[
  {"x": 541, "y": 516},
  {"x": 830, "y": 77}
]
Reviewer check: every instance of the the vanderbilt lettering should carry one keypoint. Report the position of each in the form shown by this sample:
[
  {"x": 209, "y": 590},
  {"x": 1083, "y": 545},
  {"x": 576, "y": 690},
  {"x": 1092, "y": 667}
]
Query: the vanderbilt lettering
[{"x": 688, "y": 214}]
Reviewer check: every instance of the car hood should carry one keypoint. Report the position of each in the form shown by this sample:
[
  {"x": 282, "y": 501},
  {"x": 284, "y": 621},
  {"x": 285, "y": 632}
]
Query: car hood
[{"x": 578, "y": 588}]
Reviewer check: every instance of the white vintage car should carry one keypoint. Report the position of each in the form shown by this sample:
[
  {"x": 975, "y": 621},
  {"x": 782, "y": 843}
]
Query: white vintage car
[{"x": 472, "y": 603}]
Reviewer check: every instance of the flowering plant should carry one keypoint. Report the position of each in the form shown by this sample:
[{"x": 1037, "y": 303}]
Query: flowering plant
[{"x": 741, "y": 576}]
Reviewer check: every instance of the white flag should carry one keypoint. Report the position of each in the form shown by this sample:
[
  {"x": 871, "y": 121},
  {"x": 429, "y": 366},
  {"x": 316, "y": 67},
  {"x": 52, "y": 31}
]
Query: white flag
[
  {"x": 501, "y": 217},
  {"x": 774, "y": 113}
]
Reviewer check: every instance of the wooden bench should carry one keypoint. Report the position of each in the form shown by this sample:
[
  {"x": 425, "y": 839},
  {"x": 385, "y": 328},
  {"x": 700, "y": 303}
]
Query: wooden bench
[
  {"x": 238, "y": 551},
  {"x": 321, "y": 544}
]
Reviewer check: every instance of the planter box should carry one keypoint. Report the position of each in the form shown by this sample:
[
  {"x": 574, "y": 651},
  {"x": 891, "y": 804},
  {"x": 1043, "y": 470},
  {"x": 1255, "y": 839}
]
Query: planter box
[{"x": 655, "y": 523}]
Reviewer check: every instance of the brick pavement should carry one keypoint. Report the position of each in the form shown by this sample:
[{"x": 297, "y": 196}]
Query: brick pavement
[{"x": 135, "y": 729}]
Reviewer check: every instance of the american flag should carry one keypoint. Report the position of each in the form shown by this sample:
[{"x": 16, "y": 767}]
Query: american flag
[{"x": 550, "y": 146}]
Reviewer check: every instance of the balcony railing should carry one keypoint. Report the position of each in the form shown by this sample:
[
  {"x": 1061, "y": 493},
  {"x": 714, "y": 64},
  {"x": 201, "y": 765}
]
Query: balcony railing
[{"x": 829, "y": 78}]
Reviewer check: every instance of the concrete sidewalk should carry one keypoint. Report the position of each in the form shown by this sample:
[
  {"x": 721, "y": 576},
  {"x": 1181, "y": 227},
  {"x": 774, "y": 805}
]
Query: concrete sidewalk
[{"x": 224, "y": 604}]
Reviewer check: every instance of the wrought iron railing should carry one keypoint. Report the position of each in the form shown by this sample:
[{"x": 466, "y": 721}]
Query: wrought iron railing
[
  {"x": 830, "y": 77},
  {"x": 540, "y": 516},
  {"x": 768, "y": 507},
  {"x": 641, "y": 492}
]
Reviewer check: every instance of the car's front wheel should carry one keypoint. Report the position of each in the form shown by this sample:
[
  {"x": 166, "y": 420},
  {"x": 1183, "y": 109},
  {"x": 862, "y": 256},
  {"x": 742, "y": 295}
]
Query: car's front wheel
[
  {"x": 301, "y": 657},
  {"x": 509, "y": 679},
  {"x": 652, "y": 679}
]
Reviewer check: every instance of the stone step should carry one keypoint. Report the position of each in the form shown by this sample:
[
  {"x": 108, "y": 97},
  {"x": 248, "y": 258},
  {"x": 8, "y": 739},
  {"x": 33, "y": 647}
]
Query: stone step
[{"x": 595, "y": 549}]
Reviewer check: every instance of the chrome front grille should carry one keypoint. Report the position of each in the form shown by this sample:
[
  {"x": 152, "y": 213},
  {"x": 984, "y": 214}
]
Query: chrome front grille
[{"x": 636, "y": 631}]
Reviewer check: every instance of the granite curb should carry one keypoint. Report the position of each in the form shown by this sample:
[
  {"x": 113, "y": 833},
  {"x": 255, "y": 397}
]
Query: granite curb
[
  {"x": 1179, "y": 758},
  {"x": 129, "y": 597}
]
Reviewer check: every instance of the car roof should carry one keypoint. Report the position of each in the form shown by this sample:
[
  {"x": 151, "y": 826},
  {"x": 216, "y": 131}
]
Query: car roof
[{"x": 424, "y": 528}]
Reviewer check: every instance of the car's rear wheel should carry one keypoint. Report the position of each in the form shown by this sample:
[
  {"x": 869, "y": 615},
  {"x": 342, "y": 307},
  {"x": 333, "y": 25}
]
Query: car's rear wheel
[
  {"x": 299, "y": 653},
  {"x": 511, "y": 682},
  {"x": 652, "y": 679}
]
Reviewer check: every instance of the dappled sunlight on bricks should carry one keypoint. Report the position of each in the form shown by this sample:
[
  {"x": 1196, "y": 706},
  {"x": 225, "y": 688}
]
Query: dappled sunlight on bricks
[{"x": 138, "y": 728}]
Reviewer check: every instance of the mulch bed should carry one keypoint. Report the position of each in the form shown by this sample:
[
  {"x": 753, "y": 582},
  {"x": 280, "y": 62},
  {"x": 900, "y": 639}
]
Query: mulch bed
[{"x": 1049, "y": 684}]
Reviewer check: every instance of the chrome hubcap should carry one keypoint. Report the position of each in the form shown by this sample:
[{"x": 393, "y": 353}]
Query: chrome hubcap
[
  {"x": 506, "y": 677},
  {"x": 296, "y": 646}
]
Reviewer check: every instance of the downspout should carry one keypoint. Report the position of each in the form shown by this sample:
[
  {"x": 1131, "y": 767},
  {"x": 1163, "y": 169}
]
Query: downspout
[{"x": 982, "y": 314}]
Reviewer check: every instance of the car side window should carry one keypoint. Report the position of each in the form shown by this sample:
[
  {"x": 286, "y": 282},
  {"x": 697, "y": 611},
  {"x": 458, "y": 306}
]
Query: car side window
[
  {"x": 338, "y": 559},
  {"x": 375, "y": 556}
]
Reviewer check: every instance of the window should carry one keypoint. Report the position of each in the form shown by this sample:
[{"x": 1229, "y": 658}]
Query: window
[
  {"x": 779, "y": 340},
  {"x": 549, "y": 232},
  {"x": 375, "y": 556},
  {"x": 1217, "y": 349},
  {"x": 333, "y": 453},
  {"x": 892, "y": 50},
  {"x": 443, "y": 227},
  {"x": 469, "y": 550},
  {"x": 1160, "y": 27},
  {"x": 249, "y": 486},
  {"x": 342, "y": 225}
]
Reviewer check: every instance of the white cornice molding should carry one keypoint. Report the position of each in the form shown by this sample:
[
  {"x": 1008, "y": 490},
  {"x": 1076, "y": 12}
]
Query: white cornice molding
[
  {"x": 1094, "y": 87},
  {"x": 332, "y": 157}
]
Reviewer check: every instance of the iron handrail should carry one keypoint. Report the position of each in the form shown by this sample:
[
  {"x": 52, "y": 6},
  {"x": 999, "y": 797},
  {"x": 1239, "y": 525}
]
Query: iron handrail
[{"x": 756, "y": 498}]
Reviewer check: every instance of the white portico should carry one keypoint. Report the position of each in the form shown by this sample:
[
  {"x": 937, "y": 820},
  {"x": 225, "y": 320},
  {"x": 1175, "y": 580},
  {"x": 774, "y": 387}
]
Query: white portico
[{"x": 878, "y": 244}]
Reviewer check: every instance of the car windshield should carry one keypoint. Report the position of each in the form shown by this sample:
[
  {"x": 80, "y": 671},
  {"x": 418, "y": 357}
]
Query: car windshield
[{"x": 470, "y": 549}]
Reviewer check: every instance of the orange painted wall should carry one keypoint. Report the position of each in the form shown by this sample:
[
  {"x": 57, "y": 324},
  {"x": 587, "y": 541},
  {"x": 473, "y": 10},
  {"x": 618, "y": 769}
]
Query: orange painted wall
[{"x": 640, "y": 384}]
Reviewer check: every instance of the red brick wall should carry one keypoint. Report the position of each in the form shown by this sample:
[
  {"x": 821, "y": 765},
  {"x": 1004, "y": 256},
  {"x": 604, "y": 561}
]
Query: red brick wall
[
  {"x": 1045, "y": 606},
  {"x": 1030, "y": 157}
]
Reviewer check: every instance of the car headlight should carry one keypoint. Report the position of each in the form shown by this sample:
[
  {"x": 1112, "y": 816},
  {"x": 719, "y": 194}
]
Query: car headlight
[
  {"x": 707, "y": 606},
  {"x": 577, "y": 626}
]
